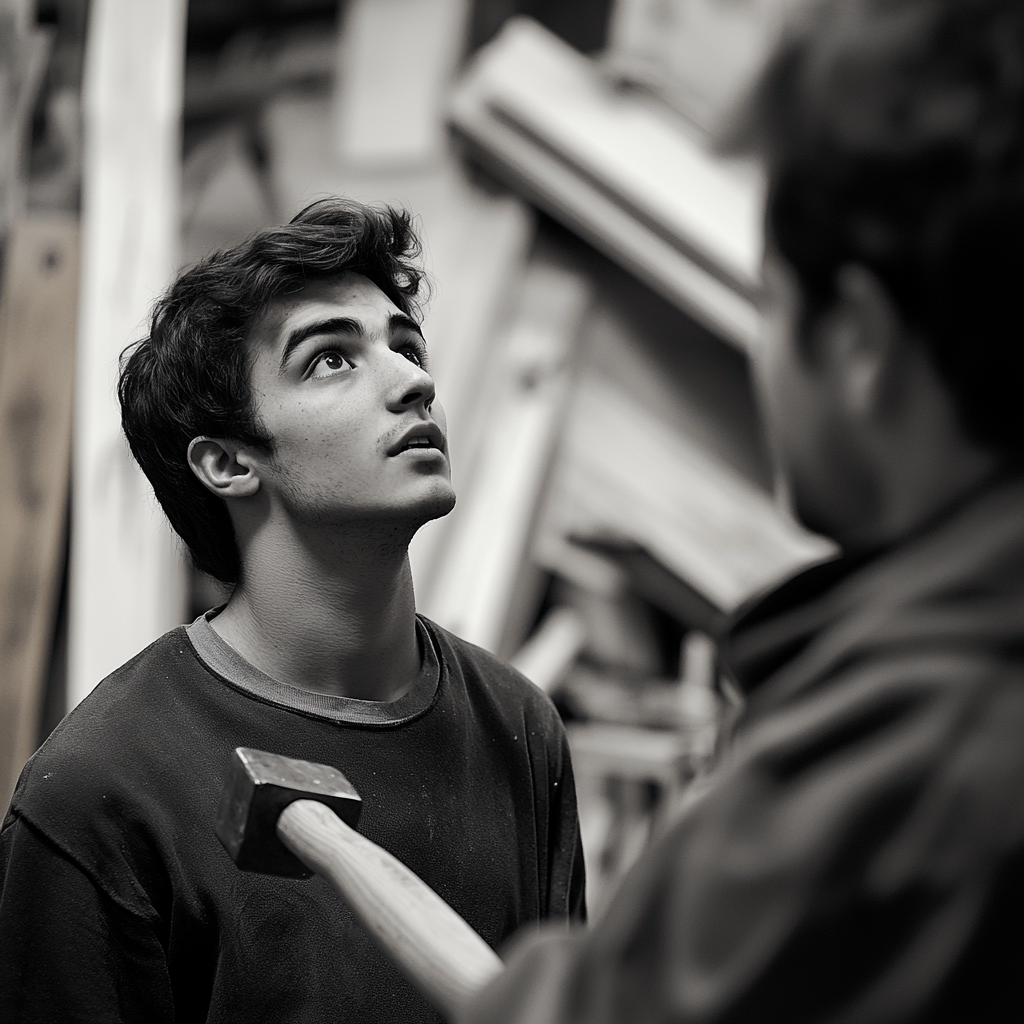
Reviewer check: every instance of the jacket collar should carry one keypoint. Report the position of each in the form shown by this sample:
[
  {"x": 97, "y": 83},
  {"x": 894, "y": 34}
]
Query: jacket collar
[{"x": 962, "y": 573}]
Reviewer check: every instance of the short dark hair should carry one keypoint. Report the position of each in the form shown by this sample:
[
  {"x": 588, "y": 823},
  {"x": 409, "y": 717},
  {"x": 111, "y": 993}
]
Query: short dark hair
[
  {"x": 192, "y": 375},
  {"x": 894, "y": 136}
]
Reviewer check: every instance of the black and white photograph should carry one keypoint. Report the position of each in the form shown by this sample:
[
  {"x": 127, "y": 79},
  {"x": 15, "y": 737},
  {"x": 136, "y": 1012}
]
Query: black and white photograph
[{"x": 512, "y": 511}]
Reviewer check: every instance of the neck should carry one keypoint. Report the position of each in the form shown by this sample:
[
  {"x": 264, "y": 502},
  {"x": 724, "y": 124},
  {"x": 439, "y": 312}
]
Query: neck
[
  {"x": 333, "y": 615},
  {"x": 922, "y": 470}
]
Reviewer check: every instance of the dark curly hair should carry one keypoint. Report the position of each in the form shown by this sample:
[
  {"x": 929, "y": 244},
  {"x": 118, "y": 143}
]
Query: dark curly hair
[
  {"x": 894, "y": 137},
  {"x": 191, "y": 375}
]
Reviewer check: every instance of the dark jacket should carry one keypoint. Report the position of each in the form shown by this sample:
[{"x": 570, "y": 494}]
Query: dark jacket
[{"x": 858, "y": 855}]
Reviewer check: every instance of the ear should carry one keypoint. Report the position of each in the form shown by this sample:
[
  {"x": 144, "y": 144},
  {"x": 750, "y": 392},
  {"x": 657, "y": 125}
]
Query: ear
[
  {"x": 223, "y": 467},
  {"x": 861, "y": 342}
]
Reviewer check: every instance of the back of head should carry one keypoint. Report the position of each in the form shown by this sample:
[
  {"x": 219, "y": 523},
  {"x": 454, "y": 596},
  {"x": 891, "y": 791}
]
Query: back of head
[
  {"x": 894, "y": 136},
  {"x": 191, "y": 376}
]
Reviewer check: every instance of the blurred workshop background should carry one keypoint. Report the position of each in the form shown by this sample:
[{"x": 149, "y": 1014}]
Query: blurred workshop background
[{"x": 596, "y": 270}]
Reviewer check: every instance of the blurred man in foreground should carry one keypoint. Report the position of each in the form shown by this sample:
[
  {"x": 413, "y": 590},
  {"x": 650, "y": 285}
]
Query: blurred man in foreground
[{"x": 858, "y": 855}]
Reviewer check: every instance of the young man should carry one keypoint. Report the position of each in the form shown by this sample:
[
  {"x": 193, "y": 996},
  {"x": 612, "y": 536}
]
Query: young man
[
  {"x": 283, "y": 410},
  {"x": 858, "y": 855}
]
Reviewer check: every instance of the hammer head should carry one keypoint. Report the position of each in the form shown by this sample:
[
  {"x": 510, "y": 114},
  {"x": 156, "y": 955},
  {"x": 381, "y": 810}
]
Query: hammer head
[{"x": 259, "y": 787}]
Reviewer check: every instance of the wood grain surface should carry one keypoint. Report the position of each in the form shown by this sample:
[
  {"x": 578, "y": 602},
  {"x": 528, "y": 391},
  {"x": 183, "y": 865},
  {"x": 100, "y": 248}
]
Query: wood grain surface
[{"x": 37, "y": 333}]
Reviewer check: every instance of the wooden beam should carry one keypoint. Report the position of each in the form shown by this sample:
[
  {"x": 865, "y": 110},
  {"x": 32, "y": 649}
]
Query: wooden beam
[
  {"x": 699, "y": 55},
  {"x": 549, "y": 653},
  {"x": 127, "y": 582},
  {"x": 648, "y": 486},
  {"x": 24, "y": 53},
  {"x": 37, "y": 332},
  {"x": 396, "y": 60},
  {"x": 492, "y": 525},
  {"x": 622, "y": 173}
]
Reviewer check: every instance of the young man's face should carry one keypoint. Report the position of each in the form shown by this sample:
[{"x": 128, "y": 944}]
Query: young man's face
[{"x": 341, "y": 385}]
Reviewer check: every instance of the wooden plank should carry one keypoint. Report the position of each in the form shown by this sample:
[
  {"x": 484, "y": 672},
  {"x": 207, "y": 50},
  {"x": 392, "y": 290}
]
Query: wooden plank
[
  {"x": 396, "y": 60},
  {"x": 37, "y": 332},
  {"x": 699, "y": 55},
  {"x": 127, "y": 581},
  {"x": 628, "y": 752},
  {"x": 24, "y": 52},
  {"x": 647, "y": 485},
  {"x": 493, "y": 522},
  {"x": 549, "y": 653},
  {"x": 621, "y": 173}
]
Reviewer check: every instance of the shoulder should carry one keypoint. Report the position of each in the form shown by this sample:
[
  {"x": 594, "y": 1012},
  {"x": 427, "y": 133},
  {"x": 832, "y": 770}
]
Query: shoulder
[
  {"x": 915, "y": 756},
  {"x": 95, "y": 778},
  {"x": 490, "y": 679},
  {"x": 113, "y": 721}
]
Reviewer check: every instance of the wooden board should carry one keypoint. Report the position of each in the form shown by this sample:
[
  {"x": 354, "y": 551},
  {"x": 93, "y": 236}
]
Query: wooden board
[
  {"x": 24, "y": 53},
  {"x": 700, "y": 55},
  {"x": 127, "y": 580},
  {"x": 645, "y": 484},
  {"x": 620, "y": 172},
  {"x": 37, "y": 331},
  {"x": 396, "y": 60},
  {"x": 492, "y": 525}
]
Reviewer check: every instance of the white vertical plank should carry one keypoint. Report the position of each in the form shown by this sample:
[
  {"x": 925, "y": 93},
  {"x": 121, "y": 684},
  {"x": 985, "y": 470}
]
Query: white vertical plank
[
  {"x": 127, "y": 581},
  {"x": 396, "y": 60}
]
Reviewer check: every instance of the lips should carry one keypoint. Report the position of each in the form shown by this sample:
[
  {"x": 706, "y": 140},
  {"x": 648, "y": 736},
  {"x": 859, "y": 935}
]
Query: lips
[{"x": 422, "y": 435}]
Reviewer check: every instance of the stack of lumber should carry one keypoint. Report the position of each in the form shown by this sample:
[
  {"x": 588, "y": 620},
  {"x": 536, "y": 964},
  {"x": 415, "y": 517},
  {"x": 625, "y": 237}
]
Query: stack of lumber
[
  {"x": 653, "y": 498},
  {"x": 622, "y": 171}
]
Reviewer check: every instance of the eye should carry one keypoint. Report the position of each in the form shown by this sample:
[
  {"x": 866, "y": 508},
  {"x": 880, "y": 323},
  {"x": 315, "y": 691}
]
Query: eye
[
  {"x": 416, "y": 352},
  {"x": 329, "y": 363}
]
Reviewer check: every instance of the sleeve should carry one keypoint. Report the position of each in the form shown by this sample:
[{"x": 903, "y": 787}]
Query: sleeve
[
  {"x": 67, "y": 951},
  {"x": 566, "y": 872},
  {"x": 838, "y": 866}
]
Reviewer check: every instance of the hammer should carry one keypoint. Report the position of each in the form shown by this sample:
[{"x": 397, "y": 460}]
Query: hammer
[{"x": 282, "y": 816}]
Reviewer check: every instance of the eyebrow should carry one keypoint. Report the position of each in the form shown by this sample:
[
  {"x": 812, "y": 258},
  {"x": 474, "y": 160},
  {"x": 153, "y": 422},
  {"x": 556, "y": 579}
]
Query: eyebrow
[{"x": 343, "y": 325}]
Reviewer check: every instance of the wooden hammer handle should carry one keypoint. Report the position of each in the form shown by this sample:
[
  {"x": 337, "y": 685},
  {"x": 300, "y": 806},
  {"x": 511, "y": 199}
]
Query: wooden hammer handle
[{"x": 430, "y": 943}]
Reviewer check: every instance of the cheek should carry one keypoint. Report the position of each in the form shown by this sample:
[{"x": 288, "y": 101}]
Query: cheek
[{"x": 322, "y": 433}]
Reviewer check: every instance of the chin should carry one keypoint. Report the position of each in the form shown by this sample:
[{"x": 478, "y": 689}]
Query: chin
[
  {"x": 438, "y": 504},
  {"x": 432, "y": 500}
]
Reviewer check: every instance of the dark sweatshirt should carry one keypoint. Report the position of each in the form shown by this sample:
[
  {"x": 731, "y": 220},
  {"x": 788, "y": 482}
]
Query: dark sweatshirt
[
  {"x": 118, "y": 903},
  {"x": 858, "y": 856}
]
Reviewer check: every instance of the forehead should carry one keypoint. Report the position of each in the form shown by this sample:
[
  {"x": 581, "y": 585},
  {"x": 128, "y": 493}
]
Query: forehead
[{"x": 348, "y": 295}]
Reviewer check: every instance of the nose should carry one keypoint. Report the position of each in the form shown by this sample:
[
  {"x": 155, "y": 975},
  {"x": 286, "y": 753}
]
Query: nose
[{"x": 415, "y": 388}]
